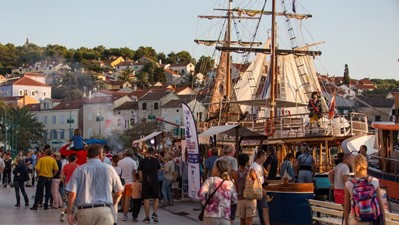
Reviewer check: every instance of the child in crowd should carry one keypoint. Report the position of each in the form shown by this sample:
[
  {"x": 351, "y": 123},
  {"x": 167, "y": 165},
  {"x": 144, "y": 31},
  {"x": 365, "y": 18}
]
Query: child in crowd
[
  {"x": 77, "y": 140},
  {"x": 136, "y": 196}
]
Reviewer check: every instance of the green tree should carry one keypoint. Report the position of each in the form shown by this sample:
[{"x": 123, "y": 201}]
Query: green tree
[
  {"x": 148, "y": 52},
  {"x": 141, "y": 80},
  {"x": 347, "y": 79},
  {"x": 189, "y": 80},
  {"x": 159, "y": 75},
  {"x": 204, "y": 64},
  {"x": 161, "y": 57},
  {"x": 24, "y": 127},
  {"x": 172, "y": 58},
  {"x": 126, "y": 75},
  {"x": 149, "y": 69},
  {"x": 29, "y": 54},
  {"x": 185, "y": 57},
  {"x": 136, "y": 131}
]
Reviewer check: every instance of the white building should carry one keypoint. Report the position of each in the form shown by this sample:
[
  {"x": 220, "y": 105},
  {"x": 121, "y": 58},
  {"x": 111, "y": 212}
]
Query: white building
[
  {"x": 59, "y": 119},
  {"x": 26, "y": 86},
  {"x": 98, "y": 115}
]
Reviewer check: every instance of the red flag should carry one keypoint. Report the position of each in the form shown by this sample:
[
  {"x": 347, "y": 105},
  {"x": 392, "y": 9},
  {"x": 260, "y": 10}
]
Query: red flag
[{"x": 331, "y": 112}]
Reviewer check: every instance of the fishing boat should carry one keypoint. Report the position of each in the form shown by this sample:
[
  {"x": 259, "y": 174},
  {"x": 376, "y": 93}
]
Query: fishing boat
[
  {"x": 271, "y": 94},
  {"x": 384, "y": 164}
]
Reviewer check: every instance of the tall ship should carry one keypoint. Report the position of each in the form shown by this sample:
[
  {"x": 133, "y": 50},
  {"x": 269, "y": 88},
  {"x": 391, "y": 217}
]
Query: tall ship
[{"x": 271, "y": 94}]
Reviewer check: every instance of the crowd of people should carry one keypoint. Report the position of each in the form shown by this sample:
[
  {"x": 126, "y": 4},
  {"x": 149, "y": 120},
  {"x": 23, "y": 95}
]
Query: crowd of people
[
  {"x": 123, "y": 181},
  {"x": 93, "y": 183}
]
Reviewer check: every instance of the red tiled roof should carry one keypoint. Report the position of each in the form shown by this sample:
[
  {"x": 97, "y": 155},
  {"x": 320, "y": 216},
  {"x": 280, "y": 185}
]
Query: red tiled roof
[
  {"x": 126, "y": 63},
  {"x": 33, "y": 107},
  {"x": 128, "y": 105},
  {"x": 34, "y": 74},
  {"x": 29, "y": 82},
  {"x": 170, "y": 71},
  {"x": 76, "y": 104},
  {"x": 154, "y": 95},
  {"x": 139, "y": 93},
  {"x": 176, "y": 103},
  {"x": 101, "y": 99}
]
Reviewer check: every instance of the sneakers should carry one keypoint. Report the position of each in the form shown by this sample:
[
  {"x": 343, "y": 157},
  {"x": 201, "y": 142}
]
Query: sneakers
[
  {"x": 147, "y": 220},
  {"x": 125, "y": 218},
  {"x": 17, "y": 205},
  {"x": 33, "y": 208},
  {"x": 155, "y": 217},
  {"x": 62, "y": 217},
  {"x": 135, "y": 220}
]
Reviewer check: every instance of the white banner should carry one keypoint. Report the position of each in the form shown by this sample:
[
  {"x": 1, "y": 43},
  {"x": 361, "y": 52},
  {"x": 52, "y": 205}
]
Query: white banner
[{"x": 193, "y": 152}]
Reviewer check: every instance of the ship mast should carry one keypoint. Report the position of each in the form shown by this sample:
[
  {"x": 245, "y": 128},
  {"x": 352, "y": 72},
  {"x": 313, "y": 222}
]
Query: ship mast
[
  {"x": 273, "y": 63},
  {"x": 228, "y": 37}
]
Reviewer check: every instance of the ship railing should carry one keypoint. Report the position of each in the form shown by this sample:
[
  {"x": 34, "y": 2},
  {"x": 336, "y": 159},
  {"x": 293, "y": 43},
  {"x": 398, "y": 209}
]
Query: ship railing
[
  {"x": 358, "y": 123},
  {"x": 391, "y": 165}
]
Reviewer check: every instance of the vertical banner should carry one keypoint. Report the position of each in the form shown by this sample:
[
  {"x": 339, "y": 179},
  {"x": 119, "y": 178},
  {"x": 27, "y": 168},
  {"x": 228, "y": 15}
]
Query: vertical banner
[{"x": 193, "y": 152}]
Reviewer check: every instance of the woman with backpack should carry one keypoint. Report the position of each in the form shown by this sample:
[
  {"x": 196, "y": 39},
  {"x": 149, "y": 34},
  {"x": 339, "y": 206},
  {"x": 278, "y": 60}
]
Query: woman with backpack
[
  {"x": 246, "y": 208},
  {"x": 363, "y": 204}
]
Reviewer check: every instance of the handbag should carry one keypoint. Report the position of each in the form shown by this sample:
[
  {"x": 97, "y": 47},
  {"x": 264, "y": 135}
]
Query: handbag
[
  {"x": 201, "y": 215},
  {"x": 253, "y": 188},
  {"x": 287, "y": 175}
]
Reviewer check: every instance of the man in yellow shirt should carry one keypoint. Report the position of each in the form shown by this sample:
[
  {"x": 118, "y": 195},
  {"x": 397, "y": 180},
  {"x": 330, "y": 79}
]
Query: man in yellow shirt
[{"x": 46, "y": 168}]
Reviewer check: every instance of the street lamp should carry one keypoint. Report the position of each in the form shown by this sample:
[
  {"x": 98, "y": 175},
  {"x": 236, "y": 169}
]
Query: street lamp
[
  {"x": 70, "y": 121},
  {"x": 99, "y": 118}
]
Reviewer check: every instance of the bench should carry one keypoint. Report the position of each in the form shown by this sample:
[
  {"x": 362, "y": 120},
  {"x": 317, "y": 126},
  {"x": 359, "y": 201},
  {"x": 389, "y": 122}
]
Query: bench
[
  {"x": 326, "y": 212},
  {"x": 332, "y": 213},
  {"x": 391, "y": 218}
]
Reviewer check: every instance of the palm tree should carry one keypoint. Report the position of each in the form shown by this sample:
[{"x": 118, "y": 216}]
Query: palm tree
[
  {"x": 24, "y": 127},
  {"x": 126, "y": 75},
  {"x": 190, "y": 80},
  {"x": 141, "y": 80}
]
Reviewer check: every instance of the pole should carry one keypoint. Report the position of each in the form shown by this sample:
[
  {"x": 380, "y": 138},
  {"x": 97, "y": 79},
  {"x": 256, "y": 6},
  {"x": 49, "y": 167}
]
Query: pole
[
  {"x": 228, "y": 74},
  {"x": 273, "y": 62},
  {"x": 70, "y": 124}
]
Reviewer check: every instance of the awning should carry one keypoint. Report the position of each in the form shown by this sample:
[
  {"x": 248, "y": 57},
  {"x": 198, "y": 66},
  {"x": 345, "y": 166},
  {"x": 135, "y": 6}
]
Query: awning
[
  {"x": 229, "y": 130},
  {"x": 154, "y": 134}
]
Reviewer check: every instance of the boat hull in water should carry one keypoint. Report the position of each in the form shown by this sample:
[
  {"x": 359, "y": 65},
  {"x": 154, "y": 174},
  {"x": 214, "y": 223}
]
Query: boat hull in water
[
  {"x": 388, "y": 181},
  {"x": 290, "y": 203}
]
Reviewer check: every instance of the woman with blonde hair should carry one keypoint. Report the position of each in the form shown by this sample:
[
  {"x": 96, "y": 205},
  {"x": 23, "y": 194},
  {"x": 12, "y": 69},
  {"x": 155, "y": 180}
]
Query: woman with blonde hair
[
  {"x": 168, "y": 169},
  {"x": 362, "y": 184},
  {"x": 221, "y": 193}
]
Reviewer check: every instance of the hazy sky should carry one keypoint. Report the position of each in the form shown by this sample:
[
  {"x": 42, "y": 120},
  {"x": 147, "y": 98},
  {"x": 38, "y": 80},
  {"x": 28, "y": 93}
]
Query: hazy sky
[{"x": 363, "y": 34}]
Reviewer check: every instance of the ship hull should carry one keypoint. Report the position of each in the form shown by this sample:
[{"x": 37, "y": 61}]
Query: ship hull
[{"x": 388, "y": 181}]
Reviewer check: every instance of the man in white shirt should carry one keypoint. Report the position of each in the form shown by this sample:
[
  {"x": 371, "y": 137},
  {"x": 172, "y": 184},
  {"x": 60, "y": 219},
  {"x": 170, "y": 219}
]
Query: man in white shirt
[
  {"x": 338, "y": 176},
  {"x": 257, "y": 166},
  {"x": 129, "y": 168}
]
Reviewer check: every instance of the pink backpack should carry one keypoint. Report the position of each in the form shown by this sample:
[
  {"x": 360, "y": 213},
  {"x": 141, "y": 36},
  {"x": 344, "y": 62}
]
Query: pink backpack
[{"x": 365, "y": 204}]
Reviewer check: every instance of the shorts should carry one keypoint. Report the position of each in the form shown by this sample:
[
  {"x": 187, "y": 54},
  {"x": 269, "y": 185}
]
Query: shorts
[
  {"x": 127, "y": 191},
  {"x": 233, "y": 209},
  {"x": 150, "y": 191},
  {"x": 246, "y": 208},
  {"x": 339, "y": 196},
  {"x": 261, "y": 204}
]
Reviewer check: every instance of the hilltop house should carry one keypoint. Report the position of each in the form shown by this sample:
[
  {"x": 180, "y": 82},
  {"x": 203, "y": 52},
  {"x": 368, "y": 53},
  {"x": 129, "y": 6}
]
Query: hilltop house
[{"x": 26, "y": 86}]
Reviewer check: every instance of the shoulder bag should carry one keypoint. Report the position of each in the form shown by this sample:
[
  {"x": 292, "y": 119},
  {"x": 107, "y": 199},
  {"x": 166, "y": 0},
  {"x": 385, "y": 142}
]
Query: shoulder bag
[
  {"x": 201, "y": 215},
  {"x": 253, "y": 188}
]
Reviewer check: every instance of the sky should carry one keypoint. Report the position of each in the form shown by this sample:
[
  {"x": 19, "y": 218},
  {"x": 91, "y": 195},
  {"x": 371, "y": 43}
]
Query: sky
[{"x": 363, "y": 34}]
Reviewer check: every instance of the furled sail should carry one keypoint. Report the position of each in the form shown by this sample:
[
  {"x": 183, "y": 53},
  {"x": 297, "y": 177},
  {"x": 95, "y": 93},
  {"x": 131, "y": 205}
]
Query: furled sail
[{"x": 219, "y": 88}]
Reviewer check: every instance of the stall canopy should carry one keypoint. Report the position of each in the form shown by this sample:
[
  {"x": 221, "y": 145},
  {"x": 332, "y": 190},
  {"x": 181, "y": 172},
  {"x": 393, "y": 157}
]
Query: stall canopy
[
  {"x": 229, "y": 130},
  {"x": 154, "y": 134}
]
